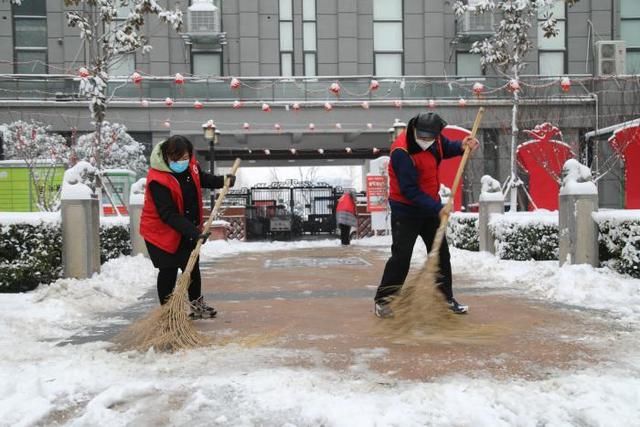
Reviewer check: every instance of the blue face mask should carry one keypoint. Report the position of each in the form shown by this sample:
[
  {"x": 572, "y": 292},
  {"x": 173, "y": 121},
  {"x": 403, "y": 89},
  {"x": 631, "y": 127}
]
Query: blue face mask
[{"x": 179, "y": 166}]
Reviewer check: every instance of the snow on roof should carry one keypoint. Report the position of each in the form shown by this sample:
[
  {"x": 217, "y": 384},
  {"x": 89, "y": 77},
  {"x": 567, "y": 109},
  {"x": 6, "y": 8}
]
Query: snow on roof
[{"x": 603, "y": 131}]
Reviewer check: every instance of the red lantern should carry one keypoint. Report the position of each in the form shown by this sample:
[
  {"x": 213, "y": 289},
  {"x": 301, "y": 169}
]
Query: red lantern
[
  {"x": 266, "y": 108},
  {"x": 235, "y": 83},
  {"x": 397, "y": 103},
  {"x": 432, "y": 103},
  {"x": 334, "y": 89},
  {"x": 375, "y": 150},
  {"x": 277, "y": 127},
  {"x": 462, "y": 102},
  {"x": 478, "y": 88},
  {"x": 167, "y": 124},
  {"x": 328, "y": 106},
  {"x": 369, "y": 126},
  {"x": 144, "y": 103},
  {"x": 237, "y": 104},
  {"x": 338, "y": 126},
  {"x": 198, "y": 105},
  {"x": 292, "y": 150},
  {"x": 168, "y": 102},
  {"x": 348, "y": 150},
  {"x": 365, "y": 105},
  {"x": 565, "y": 84},
  {"x": 321, "y": 150},
  {"x": 374, "y": 85},
  {"x": 83, "y": 72},
  {"x": 246, "y": 126},
  {"x": 514, "y": 85},
  {"x": 179, "y": 79},
  {"x": 312, "y": 126},
  {"x": 136, "y": 78},
  {"x": 295, "y": 106}
]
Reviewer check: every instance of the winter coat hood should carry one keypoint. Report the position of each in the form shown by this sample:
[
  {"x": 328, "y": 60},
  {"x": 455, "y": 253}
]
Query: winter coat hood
[{"x": 156, "y": 161}]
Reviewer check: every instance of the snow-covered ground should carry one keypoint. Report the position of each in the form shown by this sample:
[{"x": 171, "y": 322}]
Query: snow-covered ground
[{"x": 42, "y": 383}]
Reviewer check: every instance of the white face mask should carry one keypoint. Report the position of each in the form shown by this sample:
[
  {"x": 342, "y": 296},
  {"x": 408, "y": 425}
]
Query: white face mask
[{"x": 424, "y": 143}]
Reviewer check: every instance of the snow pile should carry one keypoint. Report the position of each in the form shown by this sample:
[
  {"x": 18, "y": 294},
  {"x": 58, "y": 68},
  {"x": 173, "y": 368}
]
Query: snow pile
[
  {"x": 577, "y": 179},
  {"x": 77, "y": 182},
  {"x": 136, "y": 195},
  {"x": 491, "y": 190}
]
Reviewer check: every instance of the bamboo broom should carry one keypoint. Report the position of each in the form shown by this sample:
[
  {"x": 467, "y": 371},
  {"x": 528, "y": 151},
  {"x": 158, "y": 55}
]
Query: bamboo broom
[
  {"x": 167, "y": 327},
  {"x": 419, "y": 305}
]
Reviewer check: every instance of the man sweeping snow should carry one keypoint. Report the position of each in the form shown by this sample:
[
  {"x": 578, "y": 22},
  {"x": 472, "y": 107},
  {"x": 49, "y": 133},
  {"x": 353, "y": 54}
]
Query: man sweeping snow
[{"x": 416, "y": 208}]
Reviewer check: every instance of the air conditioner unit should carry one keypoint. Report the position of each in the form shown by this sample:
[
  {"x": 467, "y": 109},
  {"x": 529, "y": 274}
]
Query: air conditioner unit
[
  {"x": 610, "y": 57},
  {"x": 471, "y": 23},
  {"x": 203, "y": 17}
]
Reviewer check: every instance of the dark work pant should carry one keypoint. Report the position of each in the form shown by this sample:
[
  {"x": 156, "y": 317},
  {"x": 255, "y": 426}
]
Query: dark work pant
[
  {"x": 345, "y": 231},
  {"x": 404, "y": 232},
  {"x": 167, "y": 281}
]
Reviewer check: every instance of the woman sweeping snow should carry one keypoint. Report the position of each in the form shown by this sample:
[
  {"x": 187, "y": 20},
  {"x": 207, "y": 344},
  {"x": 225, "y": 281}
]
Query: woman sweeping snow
[{"x": 171, "y": 221}]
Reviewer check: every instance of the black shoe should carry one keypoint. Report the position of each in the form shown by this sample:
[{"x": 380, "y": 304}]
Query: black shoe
[
  {"x": 456, "y": 307},
  {"x": 382, "y": 310},
  {"x": 200, "y": 310}
]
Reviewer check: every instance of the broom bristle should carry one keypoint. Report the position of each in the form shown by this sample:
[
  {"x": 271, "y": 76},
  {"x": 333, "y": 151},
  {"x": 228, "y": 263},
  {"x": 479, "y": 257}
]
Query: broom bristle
[{"x": 166, "y": 328}]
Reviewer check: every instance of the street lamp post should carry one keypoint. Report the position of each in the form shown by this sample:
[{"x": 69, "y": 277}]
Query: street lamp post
[{"x": 211, "y": 134}]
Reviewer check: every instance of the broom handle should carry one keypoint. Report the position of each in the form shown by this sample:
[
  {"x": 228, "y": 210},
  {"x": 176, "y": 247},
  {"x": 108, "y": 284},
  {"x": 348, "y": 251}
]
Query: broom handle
[
  {"x": 223, "y": 192},
  {"x": 434, "y": 254}
]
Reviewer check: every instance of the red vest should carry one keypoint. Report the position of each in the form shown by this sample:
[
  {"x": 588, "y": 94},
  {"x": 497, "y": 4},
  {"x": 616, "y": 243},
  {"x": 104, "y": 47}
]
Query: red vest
[
  {"x": 425, "y": 163},
  {"x": 152, "y": 228},
  {"x": 346, "y": 204}
]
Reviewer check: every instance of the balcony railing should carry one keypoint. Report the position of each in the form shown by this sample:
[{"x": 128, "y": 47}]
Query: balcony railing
[{"x": 64, "y": 88}]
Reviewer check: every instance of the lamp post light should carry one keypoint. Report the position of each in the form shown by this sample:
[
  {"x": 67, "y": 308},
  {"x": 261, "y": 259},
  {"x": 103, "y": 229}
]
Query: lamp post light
[{"x": 211, "y": 134}]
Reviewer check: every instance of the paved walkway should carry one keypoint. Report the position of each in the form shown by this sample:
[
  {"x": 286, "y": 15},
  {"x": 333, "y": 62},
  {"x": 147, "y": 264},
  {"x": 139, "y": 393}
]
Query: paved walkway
[{"x": 321, "y": 299}]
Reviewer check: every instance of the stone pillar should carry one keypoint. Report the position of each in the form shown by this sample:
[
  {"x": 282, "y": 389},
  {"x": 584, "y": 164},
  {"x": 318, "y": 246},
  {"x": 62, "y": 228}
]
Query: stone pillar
[
  {"x": 136, "y": 201},
  {"x": 490, "y": 203},
  {"x": 80, "y": 237},
  {"x": 577, "y": 231}
]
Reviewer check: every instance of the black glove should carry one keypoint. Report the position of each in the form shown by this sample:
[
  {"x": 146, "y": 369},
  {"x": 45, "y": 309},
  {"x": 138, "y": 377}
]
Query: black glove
[
  {"x": 204, "y": 237},
  {"x": 232, "y": 179}
]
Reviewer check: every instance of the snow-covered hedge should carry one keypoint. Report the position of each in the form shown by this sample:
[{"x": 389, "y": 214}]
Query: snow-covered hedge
[
  {"x": 462, "y": 231},
  {"x": 619, "y": 240},
  {"x": 525, "y": 236},
  {"x": 31, "y": 248}
]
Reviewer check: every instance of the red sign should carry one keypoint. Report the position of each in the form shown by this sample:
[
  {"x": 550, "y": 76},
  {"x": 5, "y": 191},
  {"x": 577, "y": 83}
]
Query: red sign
[{"x": 377, "y": 193}]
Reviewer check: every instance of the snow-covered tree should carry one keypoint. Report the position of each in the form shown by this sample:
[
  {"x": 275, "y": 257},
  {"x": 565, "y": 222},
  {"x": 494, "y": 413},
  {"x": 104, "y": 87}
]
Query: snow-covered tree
[
  {"x": 110, "y": 30},
  {"x": 118, "y": 150},
  {"x": 43, "y": 153},
  {"x": 507, "y": 48}
]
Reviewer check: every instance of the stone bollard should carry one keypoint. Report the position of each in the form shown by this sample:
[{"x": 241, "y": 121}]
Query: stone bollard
[
  {"x": 491, "y": 202},
  {"x": 136, "y": 202},
  {"x": 80, "y": 213},
  {"x": 578, "y": 232}
]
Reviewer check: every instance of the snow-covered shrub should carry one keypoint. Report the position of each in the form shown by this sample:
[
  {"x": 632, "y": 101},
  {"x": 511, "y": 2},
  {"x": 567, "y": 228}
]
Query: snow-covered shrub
[
  {"x": 30, "y": 254},
  {"x": 31, "y": 248},
  {"x": 525, "y": 236},
  {"x": 462, "y": 231},
  {"x": 619, "y": 240}
]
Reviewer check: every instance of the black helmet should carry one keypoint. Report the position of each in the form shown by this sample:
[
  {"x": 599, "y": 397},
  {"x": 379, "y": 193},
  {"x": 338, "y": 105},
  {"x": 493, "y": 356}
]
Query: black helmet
[{"x": 428, "y": 125}]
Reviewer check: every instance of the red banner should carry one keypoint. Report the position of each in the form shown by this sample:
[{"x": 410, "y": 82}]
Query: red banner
[{"x": 377, "y": 193}]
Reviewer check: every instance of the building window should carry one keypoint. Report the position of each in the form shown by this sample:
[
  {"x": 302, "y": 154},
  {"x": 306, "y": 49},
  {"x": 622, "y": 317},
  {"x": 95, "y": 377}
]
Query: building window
[
  {"x": 552, "y": 50},
  {"x": 630, "y": 33},
  {"x": 286, "y": 37},
  {"x": 123, "y": 64},
  {"x": 206, "y": 63},
  {"x": 468, "y": 64},
  {"x": 309, "y": 37},
  {"x": 30, "y": 37},
  {"x": 388, "y": 39}
]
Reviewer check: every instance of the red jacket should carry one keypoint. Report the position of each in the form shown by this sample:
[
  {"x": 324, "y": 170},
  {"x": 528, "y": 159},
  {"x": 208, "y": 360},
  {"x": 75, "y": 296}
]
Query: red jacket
[
  {"x": 346, "y": 204},
  {"x": 426, "y": 165},
  {"x": 152, "y": 228}
]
